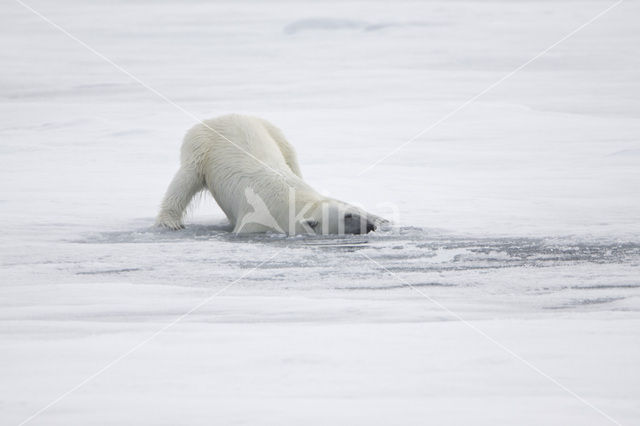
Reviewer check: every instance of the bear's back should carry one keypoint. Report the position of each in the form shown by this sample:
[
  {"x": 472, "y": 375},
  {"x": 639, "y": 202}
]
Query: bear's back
[{"x": 233, "y": 140}]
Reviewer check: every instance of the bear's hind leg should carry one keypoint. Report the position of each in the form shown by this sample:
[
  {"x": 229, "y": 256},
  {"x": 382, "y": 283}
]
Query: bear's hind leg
[{"x": 184, "y": 186}]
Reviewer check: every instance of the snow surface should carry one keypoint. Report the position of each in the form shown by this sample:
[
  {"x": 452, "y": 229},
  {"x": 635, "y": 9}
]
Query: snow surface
[{"x": 519, "y": 214}]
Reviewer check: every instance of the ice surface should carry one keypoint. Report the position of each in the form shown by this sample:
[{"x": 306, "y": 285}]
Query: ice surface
[{"x": 520, "y": 214}]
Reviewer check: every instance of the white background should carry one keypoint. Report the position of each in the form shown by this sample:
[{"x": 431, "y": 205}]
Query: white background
[{"x": 520, "y": 214}]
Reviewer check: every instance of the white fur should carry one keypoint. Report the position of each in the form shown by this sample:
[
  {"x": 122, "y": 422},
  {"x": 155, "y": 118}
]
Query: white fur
[{"x": 247, "y": 165}]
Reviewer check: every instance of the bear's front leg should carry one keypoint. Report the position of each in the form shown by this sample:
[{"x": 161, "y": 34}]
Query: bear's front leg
[{"x": 182, "y": 189}]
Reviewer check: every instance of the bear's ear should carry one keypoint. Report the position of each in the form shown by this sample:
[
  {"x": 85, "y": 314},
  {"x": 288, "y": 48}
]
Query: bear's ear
[{"x": 311, "y": 223}]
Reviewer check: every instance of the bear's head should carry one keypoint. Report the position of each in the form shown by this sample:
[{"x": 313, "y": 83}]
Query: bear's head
[{"x": 331, "y": 217}]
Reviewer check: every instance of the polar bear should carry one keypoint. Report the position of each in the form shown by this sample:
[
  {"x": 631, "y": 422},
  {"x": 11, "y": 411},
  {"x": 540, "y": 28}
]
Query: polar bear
[{"x": 252, "y": 172}]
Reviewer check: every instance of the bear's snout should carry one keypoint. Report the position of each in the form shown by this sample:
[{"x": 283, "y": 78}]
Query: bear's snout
[{"x": 357, "y": 224}]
